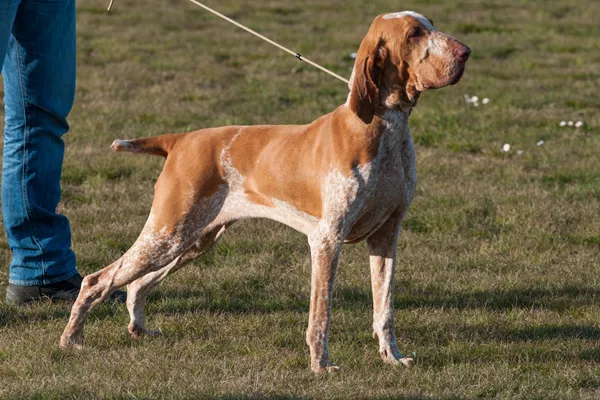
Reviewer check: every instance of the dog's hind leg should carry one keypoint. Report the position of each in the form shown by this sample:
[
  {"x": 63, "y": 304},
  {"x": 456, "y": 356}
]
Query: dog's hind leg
[
  {"x": 182, "y": 211},
  {"x": 139, "y": 290},
  {"x": 152, "y": 251}
]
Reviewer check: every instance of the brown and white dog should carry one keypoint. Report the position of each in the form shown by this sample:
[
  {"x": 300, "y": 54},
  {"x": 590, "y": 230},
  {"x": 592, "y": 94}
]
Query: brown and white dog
[{"x": 346, "y": 177}]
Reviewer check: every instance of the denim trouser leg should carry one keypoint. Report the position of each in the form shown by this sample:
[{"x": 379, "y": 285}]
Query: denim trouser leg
[{"x": 39, "y": 85}]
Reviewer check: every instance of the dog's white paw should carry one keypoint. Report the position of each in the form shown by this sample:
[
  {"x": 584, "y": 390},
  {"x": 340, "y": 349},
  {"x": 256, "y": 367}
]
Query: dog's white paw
[
  {"x": 138, "y": 332},
  {"x": 330, "y": 368},
  {"x": 407, "y": 361},
  {"x": 71, "y": 342},
  {"x": 391, "y": 355}
]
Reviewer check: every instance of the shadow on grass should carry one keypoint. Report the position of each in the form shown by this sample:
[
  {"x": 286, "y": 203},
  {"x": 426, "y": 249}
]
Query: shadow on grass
[
  {"x": 241, "y": 299},
  {"x": 259, "y": 300},
  {"x": 284, "y": 397},
  {"x": 80, "y": 394},
  {"x": 555, "y": 299},
  {"x": 35, "y": 313},
  {"x": 500, "y": 333}
]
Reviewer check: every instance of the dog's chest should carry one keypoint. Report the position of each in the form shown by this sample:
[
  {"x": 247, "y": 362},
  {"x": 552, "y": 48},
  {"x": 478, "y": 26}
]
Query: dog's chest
[{"x": 393, "y": 177}]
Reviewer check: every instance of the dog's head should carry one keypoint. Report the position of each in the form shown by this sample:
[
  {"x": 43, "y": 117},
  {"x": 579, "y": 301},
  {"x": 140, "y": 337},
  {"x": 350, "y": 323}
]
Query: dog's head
[{"x": 402, "y": 55}]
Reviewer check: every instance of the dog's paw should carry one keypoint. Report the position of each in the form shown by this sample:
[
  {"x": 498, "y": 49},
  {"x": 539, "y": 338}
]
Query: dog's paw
[
  {"x": 71, "y": 342},
  {"x": 392, "y": 355},
  {"x": 407, "y": 361},
  {"x": 138, "y": 332},
  {"x": 330, "y": 368}
]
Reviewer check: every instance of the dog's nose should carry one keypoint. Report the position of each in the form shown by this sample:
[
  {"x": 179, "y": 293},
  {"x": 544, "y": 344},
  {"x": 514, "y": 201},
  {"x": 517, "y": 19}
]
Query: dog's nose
[{"x": 462, "y": 53}]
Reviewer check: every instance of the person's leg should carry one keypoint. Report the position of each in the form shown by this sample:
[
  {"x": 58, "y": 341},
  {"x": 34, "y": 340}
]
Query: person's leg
[
  {"x": 39, "y": 84},
  {"x": 8, "y": 11}
]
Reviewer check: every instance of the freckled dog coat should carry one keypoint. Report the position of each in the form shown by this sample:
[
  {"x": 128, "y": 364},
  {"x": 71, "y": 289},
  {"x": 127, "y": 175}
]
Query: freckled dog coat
[{"x": 346, "y": 177}]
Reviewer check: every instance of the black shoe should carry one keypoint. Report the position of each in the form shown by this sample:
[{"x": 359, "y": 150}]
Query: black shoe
[{"x": 63, "y": 290}]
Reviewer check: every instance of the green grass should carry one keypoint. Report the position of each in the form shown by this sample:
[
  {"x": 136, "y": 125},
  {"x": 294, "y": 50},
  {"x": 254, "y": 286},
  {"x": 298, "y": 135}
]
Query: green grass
[{"x": 498, "y": 285}]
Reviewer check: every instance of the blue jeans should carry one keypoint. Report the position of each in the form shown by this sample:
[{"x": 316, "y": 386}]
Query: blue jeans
[{"x": 37, "y": 45}]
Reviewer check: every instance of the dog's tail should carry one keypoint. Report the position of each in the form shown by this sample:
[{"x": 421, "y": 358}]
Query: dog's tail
[{"x": 157, "y": 145}]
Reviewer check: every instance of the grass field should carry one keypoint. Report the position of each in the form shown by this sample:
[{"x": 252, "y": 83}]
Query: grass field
[{"x": 498, "y": 285}]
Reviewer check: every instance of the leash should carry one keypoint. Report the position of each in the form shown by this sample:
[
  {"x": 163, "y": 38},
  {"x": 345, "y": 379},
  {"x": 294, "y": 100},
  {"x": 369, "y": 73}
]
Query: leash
[{"x": 266, "y": 39}]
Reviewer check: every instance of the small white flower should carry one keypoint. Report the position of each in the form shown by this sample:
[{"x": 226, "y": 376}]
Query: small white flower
[
  {"x": 541, "y": 142},
  {"x": 578, "y": 124},
  {"x": 506, "y": 148},
  {"x": 519, "y": 152},
  {"x": 570, "y": 123},
  {"x": 476, "y": 104},
  {"x": 562, "y": 123},
  {"x": 474, "y": 99},
  {"x": 485, "y": 100},
  {"x": 353, "y": 56}
]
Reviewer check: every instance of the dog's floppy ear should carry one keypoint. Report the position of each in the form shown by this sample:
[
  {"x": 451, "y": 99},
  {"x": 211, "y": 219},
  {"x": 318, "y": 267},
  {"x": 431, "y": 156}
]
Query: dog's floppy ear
[{"x": 366, "y": 78}]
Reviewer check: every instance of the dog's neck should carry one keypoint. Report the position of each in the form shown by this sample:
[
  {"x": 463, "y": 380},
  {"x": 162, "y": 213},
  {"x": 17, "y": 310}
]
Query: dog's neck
[
  {"x": 399, "y": 98},
  {"x": 393, "y": 127},
  {"x": 394, "y": 99},
  {"x": 396, "y": 120},
  {"x": 390, "y": 123}
]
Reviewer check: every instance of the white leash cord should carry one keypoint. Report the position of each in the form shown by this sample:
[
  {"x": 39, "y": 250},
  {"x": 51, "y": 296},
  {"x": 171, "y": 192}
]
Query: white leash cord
[{"x": 297, "y": 55}]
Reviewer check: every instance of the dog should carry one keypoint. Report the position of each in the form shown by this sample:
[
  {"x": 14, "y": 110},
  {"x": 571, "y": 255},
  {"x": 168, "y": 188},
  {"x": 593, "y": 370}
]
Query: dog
[{"x": 346, "y": 177}]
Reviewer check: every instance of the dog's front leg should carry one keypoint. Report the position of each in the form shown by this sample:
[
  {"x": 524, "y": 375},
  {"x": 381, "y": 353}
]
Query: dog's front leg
[
  {"x": 382, "y": 256},
  {"x": 325, "y": 250}
]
